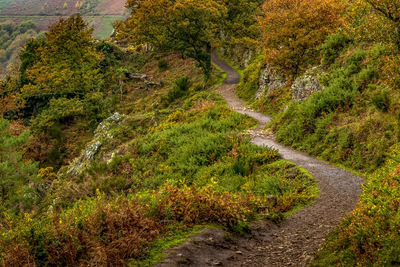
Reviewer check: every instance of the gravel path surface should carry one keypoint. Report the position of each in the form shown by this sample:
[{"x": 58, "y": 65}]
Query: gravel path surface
[{"x": 293, "y": 242}]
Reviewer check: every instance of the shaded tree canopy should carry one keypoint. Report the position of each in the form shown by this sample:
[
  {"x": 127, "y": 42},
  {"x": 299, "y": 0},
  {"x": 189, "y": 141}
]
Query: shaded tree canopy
[{"x": 187, "y": 26}]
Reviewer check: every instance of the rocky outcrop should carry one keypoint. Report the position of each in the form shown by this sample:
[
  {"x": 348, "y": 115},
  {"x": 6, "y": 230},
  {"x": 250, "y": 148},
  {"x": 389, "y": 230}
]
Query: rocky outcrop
[
  {"x": 242, "y": 56},
  {"x": 101, "y": 136},
  {"x": 307, "y": 84},
  {"x": 270, "y": 81}
]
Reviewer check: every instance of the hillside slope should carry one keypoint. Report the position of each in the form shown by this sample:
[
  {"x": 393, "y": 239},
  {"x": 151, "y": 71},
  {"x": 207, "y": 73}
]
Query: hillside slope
[
  {"x": 61, "y": 7},
  {"x": 101, "y": 14}
]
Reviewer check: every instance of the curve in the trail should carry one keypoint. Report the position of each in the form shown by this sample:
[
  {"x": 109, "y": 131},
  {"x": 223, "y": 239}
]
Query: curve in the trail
[{"x": 295, "y": 241}]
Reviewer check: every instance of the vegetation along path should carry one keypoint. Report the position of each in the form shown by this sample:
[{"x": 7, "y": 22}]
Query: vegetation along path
[{"x": 290, "y": 243}]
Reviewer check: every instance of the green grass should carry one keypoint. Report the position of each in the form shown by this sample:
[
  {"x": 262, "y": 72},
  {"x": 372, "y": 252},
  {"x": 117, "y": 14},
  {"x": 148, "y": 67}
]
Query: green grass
[
  {"x": 177, "y": 235},
  {"x": 340, "y": 124},
  {"x": 104, "y": 25},
  {"x": 220, "y": 75}
]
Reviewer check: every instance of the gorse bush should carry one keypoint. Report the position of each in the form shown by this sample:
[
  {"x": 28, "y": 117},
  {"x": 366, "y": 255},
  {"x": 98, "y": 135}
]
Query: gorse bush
[
  {"x": 381, "y": 100},
  {"x": 180, "y": 89},
  {"x": 332, "y": 47}
]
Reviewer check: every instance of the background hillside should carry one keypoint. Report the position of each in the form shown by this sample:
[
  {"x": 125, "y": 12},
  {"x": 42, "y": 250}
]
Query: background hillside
[
  {"x": 101, "y": 14},
  {"x": 22, "y": 20}
]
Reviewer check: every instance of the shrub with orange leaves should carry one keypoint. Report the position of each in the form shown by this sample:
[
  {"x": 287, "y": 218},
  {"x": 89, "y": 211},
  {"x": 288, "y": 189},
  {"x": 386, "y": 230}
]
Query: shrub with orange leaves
[{"x": 203, "y": 205}]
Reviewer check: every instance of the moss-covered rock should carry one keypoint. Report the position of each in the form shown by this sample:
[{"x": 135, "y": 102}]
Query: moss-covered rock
[
  {"x": 307, "y": 84},
  {"x": 102, "y": 135},
  {"x": 270, "y": 81}
]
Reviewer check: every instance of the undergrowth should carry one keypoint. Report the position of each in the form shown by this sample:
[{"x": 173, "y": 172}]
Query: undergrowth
[
  {"x": 352, "y": 121},
  {"x": 370, "y": 235},
  {"x": 193, "y": 167}
]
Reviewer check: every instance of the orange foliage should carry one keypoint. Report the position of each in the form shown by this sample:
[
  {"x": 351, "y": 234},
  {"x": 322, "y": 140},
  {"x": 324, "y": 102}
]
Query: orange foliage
[
  {"x": 18, "y": 254},
  {"x": 114, "y": 233},
  {"x": 206, "y": 205},
  {"x": 10, "y": 99},
  {"x": 17, "y": 127},
  {"x": 294, "y": 30},
  {"x": 39, "y": 148}
]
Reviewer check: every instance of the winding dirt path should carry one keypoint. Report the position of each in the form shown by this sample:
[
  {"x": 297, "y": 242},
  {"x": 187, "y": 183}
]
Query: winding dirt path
[{"x": 293, "y": 242}]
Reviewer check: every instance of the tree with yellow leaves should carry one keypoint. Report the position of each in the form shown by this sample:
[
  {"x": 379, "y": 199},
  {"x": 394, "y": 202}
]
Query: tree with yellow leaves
[{"x": 65, "y": 64}]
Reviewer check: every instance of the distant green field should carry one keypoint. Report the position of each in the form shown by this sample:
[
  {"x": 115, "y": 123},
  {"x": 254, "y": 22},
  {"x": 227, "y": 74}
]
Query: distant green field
[
  {"x": 5, "y": 3},
  {"x": 103, "y": 25},
  {"x": 101, "y": 14}
]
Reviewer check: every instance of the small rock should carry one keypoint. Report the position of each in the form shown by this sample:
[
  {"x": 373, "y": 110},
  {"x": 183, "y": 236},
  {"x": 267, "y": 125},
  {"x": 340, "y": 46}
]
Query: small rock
[
  {"x": 306, "y": 85},
  {"x": 270, "y": 81},
  {"x": 239, "y": 252}
]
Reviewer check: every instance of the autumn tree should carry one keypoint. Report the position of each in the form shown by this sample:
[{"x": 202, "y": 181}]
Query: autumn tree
[
  {"x": 240, "y": 25},
  {"x": 10, "y": 99},
  {"x": 185, "y": 26},
  {"x": 65, "y": 65},
  {"x": 390, "y": 10},
  {"x": 29, "y": 56},
  {"x": 294, "y": 30}
]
